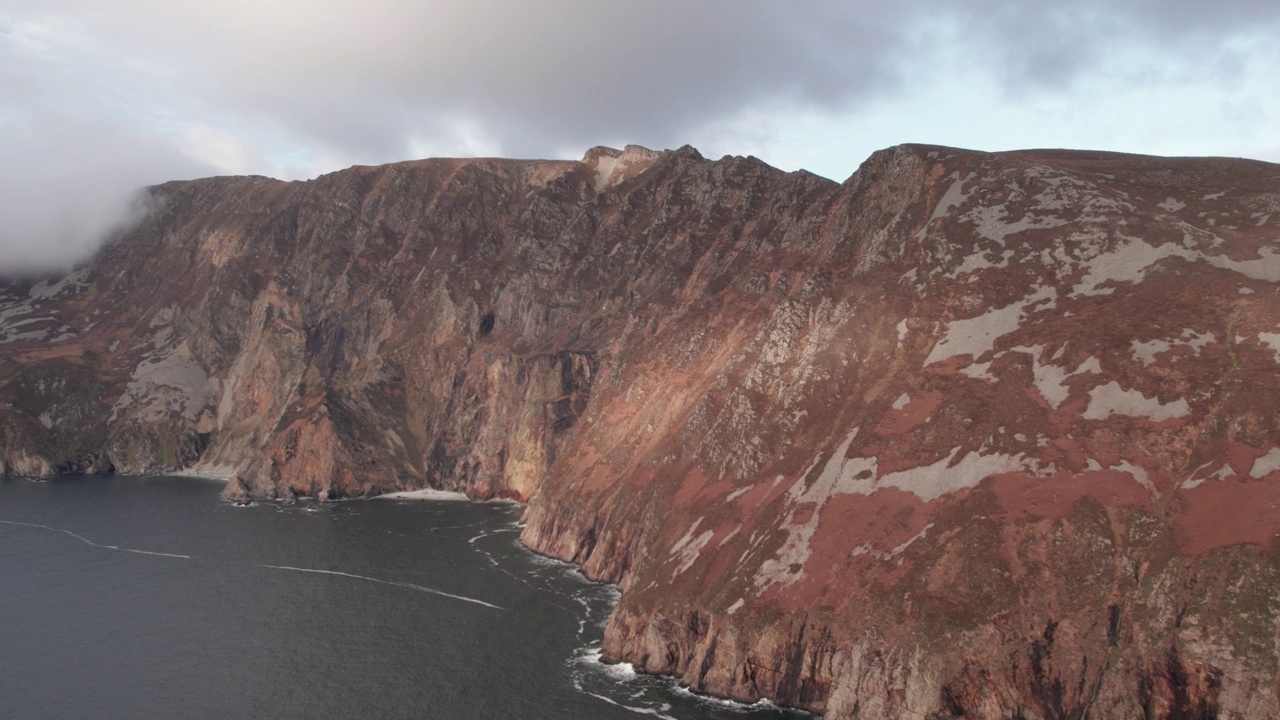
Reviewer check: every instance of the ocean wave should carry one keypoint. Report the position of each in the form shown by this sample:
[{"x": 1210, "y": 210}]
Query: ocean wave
[
  {"x": 91, "y": 543},
  {"x": 411, "y": 586},
  {"x": 761, "y": 704},
  {"x": 592, "y": 654}
]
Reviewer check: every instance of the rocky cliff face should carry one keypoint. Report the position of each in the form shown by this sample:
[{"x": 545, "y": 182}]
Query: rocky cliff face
[{"x": 968, "y": 435}]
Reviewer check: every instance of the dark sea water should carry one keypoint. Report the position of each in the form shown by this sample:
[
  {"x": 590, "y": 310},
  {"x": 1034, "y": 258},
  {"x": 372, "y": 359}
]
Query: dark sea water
[{"x": 153, "y": 598}]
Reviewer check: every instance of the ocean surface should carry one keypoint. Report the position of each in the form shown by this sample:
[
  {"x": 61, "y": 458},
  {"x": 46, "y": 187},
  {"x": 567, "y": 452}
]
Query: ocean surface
[{"x": 154, "y": 598}]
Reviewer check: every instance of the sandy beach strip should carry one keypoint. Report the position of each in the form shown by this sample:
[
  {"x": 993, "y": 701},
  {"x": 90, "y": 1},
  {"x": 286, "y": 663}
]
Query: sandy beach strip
[{"x": 422, "y": 495}]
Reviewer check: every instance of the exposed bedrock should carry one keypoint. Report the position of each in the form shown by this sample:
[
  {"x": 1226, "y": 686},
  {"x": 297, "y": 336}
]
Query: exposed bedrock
[{"x": 968, "y": 435}]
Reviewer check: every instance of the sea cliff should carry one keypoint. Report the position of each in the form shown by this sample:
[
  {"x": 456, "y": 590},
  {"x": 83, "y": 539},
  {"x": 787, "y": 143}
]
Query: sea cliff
[{"x": 979, "y": 435}]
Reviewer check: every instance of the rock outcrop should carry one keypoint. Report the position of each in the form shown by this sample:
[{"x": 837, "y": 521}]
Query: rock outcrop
[{"x": 979, "y": 435}]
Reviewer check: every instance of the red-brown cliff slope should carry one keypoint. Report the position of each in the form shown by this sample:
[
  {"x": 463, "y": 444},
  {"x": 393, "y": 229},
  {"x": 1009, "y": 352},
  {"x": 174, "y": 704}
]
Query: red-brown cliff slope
[{"x": 968, "y": 435}]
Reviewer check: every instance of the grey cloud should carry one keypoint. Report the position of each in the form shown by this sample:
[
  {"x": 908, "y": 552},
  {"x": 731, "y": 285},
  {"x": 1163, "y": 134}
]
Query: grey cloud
[
  {"x": 362, "y": 76},
  {"x": 537, "y": 75},
  {"x": 1039, "y": 47},
  {"x": 69, "y": 182},
  {"x": 71, "y": 162}
]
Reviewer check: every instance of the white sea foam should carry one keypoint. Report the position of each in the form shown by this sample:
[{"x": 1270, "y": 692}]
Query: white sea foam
[
  {"x": 761, "y": 704},
  {"x": 411, "y": 586},
  {"x": 588, "y": 660},
  {"x": 632, "y": 708},
  {"x": 148, "y": 552},
  {"x": 622, "y": 671},
  {"x": 91, "y": 543}
]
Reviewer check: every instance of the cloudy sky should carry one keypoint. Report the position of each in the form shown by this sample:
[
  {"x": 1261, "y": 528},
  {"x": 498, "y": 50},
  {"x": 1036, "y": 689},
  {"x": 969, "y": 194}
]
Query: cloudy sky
[{"x": 99, "y": 97}]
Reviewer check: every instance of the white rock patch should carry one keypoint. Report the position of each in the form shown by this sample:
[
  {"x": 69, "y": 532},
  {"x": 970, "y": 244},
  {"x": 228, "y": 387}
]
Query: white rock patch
[
  {"x": 899, "y": 549},
  {"x": 1223, "y": 473},
  {"x": 1272, "y": 340},
  {"x": 688, "y": 548},
  {"x": 170, "y": 383},
  {"x": 930, "y": 482},
  {"x": 977, "y": 336},
  {"x": 980, "y": 260},
  {"x": 1138, "y": 474},
  {"x": 993, "y": 223},
  {"x": 1051, "y": 379},
  {"x": 858, "y": 475},
  {"x": 795, "y": 550},
  {"x": 44, "y": 291},
  {"x": 604, "y": 171},
  {"x": 1129, "y": 263},
  {"x": 1111, "y": 399},
  {"x": 1147, "y": 351},
  {"x": 979, "y": 371},
  {"x": 684, "y": 540},
  {"x": 1089, "y": 366},
  {"x": 693, "y": 551},
  {"x": 614, "y": 169},
  {"x": 955, "y": 195},
  {"x": 1265, "y": 268},
  {"x": 1266, "y": 464}
]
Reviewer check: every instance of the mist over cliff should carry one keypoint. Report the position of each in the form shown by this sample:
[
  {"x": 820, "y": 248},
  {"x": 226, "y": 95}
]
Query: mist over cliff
[{"x": 973, "y": 434}]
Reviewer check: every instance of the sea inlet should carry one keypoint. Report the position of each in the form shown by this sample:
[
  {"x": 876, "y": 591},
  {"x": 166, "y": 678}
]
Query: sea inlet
[{"x": 153, "y": 597}]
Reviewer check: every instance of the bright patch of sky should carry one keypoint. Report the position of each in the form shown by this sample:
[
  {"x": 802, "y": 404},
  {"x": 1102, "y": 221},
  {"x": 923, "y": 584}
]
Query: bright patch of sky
[{"x": 1141, "y": 100}]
